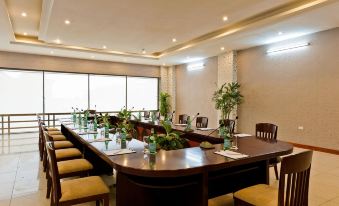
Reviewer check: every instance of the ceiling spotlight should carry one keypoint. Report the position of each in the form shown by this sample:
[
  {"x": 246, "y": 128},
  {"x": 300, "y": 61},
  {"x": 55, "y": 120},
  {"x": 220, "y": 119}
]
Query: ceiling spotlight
[
  {"x": 163, "y": 64},
  {"x": 58, "y": 41},
  {"x": 174, "y": 40},
  {"x": 280, "y": 33},
  {"x": 188, "y": 57},
  {"x": 143, "y": 51},
  {"x": 25, "y": 33},
  {"x": 224, "y": 18},
  {"x": 67, "y": 22},
  {"x": 92, "y": 56},
  {"x": 104, "y": 47},
  {"x": 222, "y": 48},
  {"x": 52, "y": 52},
  {"x": 23, "y": 14}
]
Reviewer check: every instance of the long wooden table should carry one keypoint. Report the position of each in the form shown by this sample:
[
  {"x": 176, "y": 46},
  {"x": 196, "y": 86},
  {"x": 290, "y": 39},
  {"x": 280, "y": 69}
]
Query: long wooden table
[{"x": 179, "y": 177}]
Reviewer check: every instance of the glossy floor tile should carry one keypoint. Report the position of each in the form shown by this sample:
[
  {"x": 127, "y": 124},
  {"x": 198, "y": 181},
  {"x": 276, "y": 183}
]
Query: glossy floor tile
[{"x": 22, "y": 181}]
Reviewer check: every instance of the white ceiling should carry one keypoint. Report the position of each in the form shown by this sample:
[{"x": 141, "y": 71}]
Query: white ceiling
[{"x": 133, "y": 25}]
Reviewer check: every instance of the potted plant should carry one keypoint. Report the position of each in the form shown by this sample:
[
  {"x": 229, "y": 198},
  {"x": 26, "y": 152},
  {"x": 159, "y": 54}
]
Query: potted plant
[
  {"x": 171, "y": 140},
  {"x": 164, "y": 104},
  {"x": 227, "y": 98}
]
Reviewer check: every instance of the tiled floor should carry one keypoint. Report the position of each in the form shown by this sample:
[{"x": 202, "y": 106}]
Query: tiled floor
[{"x": 22, "y": 181}]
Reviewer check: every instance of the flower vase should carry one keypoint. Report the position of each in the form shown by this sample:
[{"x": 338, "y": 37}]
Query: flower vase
[{"x": 227, "y": 144}]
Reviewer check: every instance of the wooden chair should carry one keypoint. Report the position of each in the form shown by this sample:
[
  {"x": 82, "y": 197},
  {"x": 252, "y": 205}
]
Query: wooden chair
[
  {"x": 75, "y": 191},
  {"x": 201, "y": 122},
  {"x": 146, "y": 114},
  {"x": 68, "y": 168},
  {"x": 228, "y": 123},
  {"x": 183, "y": 118},
  {"x": 268, "y": 132},
  {"x": 41, "y": 145},
  {"x": 293, "y": 185},
  {"x": 157, "y": 115}
]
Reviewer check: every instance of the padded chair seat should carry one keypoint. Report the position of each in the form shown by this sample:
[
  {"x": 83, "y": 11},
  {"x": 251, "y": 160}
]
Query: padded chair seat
[
  {"x": 82, "y": 188},
  {"x": 58, "y": 137},
  {"x": 62, "y": 144},
  {"x": 263, "y": 195},
  {"x": 67, "y": 153},
  {"x": 54, "y": 132},
  {"x": 52, "y": 129},
  {"x": 72, "y": 166}
]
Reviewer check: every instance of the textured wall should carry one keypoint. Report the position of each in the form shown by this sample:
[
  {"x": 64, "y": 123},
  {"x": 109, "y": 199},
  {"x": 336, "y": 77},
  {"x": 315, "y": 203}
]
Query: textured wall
[
  {"x": 294, "y": 88},
  {"x": 40, "y": 62},
  {"x": 227, "y": 72},
  {"x": 194, "y": 90}
]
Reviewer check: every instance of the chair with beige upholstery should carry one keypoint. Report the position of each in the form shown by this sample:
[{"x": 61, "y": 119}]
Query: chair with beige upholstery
[
  {"x": 293, "y": 185},
  {"x": 201, "y": 122},
  {"x": 41, "y": 145},
  {"x": 75, "y": 191}
]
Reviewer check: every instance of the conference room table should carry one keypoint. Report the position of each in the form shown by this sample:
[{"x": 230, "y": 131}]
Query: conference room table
[{"x": 187, "y": 176}]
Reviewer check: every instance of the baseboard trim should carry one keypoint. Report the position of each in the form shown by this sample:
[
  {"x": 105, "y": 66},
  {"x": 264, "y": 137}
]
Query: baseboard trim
[{"x": 320, "y": 149}]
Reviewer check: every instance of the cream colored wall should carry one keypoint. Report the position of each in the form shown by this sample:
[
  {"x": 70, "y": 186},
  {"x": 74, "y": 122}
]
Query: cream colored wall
[
  {"x": 295, "y": 88},
  {"x": 194, "y": 90},
  {"x": 49, "y": 63}
]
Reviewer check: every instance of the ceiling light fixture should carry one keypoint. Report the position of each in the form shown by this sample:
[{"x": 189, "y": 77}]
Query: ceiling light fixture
[
  {"x": 25, "y": 34},
  {"x": 23, "y": 14},
  {"x": 195, "y": 66},
  {"x": 174, "y": 40},
  {"x": 143, "y": 51},
  {"x": 52, "y": 52},
  {"x": 163, "y": 64},
  {"x": 224, "y": 18},
  {"x": 222, "y": 48},
  {"x": 58, "y": 41},
  {"x": 280, "y": 33},
  {"x": 67, "y": 22},
  {"x": 289, "y": 47},
  {"x": 104, "y": 47},
  {"x": 92, "y": 56}
]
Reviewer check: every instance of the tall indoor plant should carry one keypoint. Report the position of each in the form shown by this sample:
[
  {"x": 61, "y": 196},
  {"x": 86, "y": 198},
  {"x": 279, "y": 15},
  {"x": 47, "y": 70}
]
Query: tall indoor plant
[
  {"x": 226, "y": 98},
  {"x": 165, "y": 105}
]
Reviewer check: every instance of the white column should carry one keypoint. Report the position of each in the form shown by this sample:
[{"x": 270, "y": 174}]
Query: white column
[{"x": 227, "y": 72}]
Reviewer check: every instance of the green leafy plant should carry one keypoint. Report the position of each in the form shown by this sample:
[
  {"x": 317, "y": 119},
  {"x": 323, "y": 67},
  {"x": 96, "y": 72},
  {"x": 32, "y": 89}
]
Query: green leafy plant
[
  {"x": 125, "y": 114},
  {"x": 104, "y": 120},
  {"x": 227, "y": 98},
  {"x": 171, "y": 140},
  {"x": 164, "y": 104}
]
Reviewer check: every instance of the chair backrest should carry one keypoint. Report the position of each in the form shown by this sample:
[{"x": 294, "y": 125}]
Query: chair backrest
[
  {"x": 294, "y": 179},
  {"x": 201, "y": 122},
  {"x": 53, "y": 171},
  {"x": 157, "y": 115},
  {"x": 146, "y": 114},
  {"x": 266, "y": 131},
  {"x": 183, "y": 118},
  {"x": 228, "y": 123}
]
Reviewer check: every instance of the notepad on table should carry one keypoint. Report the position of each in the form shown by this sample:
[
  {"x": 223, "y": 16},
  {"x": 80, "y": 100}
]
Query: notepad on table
[
  {"x": 205, "y": 129},
  {"x": 99, "y": 140},
  {"x": 88, "y": 132},
  {"x": 242, "y": 135},
  {"x": 180, "y": 124},
  {"x": 119, "y": 152},
  {"x": 231, "y": 154}
]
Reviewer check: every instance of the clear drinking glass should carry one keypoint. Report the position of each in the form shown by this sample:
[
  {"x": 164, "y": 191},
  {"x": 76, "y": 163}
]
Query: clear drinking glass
[
  {"x": 234, "y": 142},
  {"x": 145, "y": 140}
]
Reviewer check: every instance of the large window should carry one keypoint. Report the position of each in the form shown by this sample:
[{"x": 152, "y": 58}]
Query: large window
[
  {"x": 21, "y": 92},
  {"x": 142, "y": 93},
  {"x": 107, "y": 93},
  {"x": 64, "y": 91}
]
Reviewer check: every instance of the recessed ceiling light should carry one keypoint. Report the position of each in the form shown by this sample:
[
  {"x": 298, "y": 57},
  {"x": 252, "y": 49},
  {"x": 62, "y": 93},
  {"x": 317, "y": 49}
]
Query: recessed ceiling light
[
  {"x": 163, "y": 64},
  {"x": 23, "y": 14},
  {"x": 104, "y": 47},
  {"x": 25, "y": 33},
  {"x": 58, "y": 41},
  {"x": 187, "y": 57},
  {"x": 52, "y": 52},
  {"x": 67, "y": 22},
  {"x": 280, "y": 33},
  {"x": 224, "y": 18},
  {"x": 92, "y": 56},
  {"x": 222, "y": 48},
  {"x": 143, "y": 51},
  {"x": 174, "y": 40}
]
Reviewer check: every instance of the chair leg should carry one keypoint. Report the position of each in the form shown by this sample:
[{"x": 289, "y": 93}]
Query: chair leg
[
  {"x": 97, "y": 202},
  {"x": 44, "y": 161},
  {"x": 276, "y": 172},
  {"x": 106, "y": 200},
  {"x": 52, "y": 198},
  {"x": 49, "y": 187}
]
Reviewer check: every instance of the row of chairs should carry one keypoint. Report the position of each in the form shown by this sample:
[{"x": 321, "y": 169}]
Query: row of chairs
[
  {"x": 62, "y": 160},
  {"x": 201, "y": 122}
]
